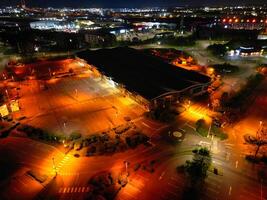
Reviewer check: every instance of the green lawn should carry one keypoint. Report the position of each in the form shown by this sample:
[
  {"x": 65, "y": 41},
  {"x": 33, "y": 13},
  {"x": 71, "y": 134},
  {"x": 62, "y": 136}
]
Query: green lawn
[{"x": 203, "y": 128}]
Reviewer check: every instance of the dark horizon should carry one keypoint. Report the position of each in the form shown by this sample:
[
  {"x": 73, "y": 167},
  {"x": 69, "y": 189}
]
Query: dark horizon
[{"x": 126, "y": 4}]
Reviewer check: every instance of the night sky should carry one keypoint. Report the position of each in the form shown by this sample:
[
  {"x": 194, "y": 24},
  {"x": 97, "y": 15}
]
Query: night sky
[{"x": 127, "y": 3}]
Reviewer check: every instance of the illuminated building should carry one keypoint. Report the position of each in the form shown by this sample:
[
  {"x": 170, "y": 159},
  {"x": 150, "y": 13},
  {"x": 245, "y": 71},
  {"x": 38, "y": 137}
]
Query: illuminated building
[{"x": 149, "y": 80}]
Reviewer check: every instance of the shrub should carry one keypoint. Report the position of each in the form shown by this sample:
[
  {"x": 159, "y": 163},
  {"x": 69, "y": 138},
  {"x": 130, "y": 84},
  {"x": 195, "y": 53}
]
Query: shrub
[
  {"x": 225, "y": 68},
  {"x": 217, "y": 49},
  {"x": 202, "y": 127}
]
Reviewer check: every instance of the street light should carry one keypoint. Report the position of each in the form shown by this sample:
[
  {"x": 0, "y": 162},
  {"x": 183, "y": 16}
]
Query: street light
[{"x": 126, "y": 167}]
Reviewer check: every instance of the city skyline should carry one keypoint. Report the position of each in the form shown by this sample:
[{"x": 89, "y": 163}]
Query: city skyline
[{"x": 121, "y": 3}]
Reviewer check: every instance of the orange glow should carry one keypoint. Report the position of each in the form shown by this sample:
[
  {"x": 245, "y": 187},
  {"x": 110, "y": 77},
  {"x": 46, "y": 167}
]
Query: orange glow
[
  {"x": 195, "y": 114},
  {"x": 134, "y": 188},
  {"x": 230, "y": 20},
  {"x": 224, "y": 20},
  {"x": 210, "y": 70},
  {"x": 236, "y": 20},
  {"x": 254, "y": 20}
]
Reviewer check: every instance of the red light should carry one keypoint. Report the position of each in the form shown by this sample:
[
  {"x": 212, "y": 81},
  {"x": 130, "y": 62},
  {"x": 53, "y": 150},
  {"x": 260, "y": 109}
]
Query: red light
[
  {"x": 254, "y": 20},
  {"x": 224, "y": 20},
  {"x": 266, "y": 21},
  {"x": 248, "y": 20}
]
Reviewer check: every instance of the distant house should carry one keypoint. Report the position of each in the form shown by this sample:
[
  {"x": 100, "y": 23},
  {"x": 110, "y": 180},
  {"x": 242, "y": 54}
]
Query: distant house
[
  {"x": 248, "y": 48},
  {"x": 263, "y": 35}
]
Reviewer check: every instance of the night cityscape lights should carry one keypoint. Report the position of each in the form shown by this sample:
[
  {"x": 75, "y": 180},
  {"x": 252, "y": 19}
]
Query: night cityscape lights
[{"x": 133, "y": 100}]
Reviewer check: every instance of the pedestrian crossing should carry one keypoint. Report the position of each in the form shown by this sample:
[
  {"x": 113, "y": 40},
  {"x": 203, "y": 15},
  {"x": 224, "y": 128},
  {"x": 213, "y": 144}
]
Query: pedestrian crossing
[
  {"x": 62, "y": 162},
  {"x": 68, "y": 190},
  {"x": 68, "y": 173},
  {"x": 212, "y": 187},
  {"x": 195, "y": 112},
  {"x": 57, "y": 167}
]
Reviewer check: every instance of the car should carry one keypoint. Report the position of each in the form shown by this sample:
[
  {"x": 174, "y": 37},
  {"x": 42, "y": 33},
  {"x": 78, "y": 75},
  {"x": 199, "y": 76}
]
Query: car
[
  {"x": 76, "y": 155},
  {"x": 216, "y": 122},
  {"x": 9, "y": 118}
]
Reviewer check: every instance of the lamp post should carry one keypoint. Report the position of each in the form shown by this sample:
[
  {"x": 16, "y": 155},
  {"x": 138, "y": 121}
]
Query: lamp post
[
  {"x": 7, "y": 94},
  {"x": 210, "y": 123},
  {"x": 126, "y": 167},
  {"x": 258, "y": 134}
]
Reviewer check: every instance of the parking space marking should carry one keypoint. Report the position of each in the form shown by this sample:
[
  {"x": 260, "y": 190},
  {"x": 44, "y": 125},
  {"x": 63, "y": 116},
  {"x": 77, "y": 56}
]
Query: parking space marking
[{"x": 74, "y": 190}]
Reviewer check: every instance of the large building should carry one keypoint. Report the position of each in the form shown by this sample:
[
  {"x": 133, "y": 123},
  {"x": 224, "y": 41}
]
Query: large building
[{"x": 149, "y": 79}]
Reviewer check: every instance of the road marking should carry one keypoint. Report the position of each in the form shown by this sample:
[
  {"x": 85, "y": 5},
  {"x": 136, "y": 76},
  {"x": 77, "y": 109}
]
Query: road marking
[
  {"x": 214, "y": 190},
  {"x": 229, "y": 144},
  {"x": 190, "y": 126},
  {"x": 173, "y": 185},
  {"x": 74, "y": 189},
  {"x": 172, "y": 193},
  {"x": 227, "y": 156},
  {"x": 146, "y": 125},
  {"x": 230, "y": 190},
  {"x": 236, "y": 164},
  {"x": 216, "y": 162},
  {"x": 162, "y": 174}
]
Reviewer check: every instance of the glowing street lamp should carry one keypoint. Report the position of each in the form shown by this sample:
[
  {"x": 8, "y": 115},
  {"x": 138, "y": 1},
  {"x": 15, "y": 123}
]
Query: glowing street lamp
[
  {"x": 126, "y": 167},
  {"x": 7, "y": 94}
]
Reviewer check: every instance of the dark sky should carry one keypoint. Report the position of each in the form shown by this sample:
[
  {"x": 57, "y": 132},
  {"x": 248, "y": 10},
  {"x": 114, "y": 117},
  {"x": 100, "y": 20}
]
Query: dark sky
[{"x": 127, "y": 3}]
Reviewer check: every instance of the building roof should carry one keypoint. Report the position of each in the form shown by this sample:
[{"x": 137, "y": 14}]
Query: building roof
[{"x": 141, "y": 73}]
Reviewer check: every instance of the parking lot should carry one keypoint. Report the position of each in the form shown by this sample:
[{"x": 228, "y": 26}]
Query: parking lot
[{"x": 82, "y": 104}]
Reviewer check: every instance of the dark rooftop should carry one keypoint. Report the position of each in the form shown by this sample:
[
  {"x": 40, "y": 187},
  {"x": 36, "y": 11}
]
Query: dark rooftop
[{"x": 141, "y": 73}]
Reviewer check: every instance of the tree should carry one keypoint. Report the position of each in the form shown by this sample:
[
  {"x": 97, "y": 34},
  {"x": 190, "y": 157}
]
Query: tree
[
  {"x": 198, "y": 167},
  {"x": 217, "y": 49},
  {"x": 258, "y": 141},
  {"x": 261, "y": 138}
]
